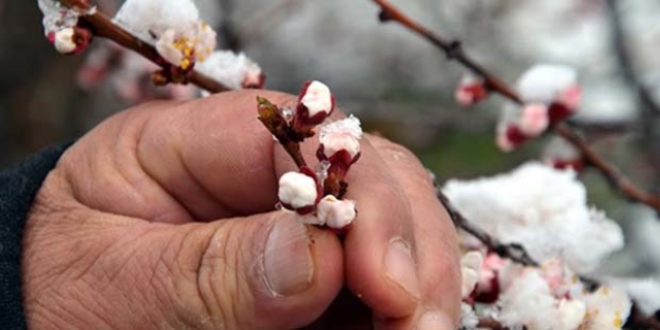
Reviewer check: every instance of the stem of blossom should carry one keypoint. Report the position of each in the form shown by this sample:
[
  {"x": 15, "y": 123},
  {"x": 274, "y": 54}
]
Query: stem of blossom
[
  {"x": 454, "y": 51},
  {"x": 270, "y": 116},
  {"x": 103, "y": 27}
]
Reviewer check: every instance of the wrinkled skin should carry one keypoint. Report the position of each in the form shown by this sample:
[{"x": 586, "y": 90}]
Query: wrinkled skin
[{"x": 160, "y": 218}]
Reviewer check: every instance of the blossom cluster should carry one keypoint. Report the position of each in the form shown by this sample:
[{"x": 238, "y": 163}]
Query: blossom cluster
[
  {"x": 174, "y": 29},
  {"x": 316, "y": 195},
  {"x": 545, "y": 211},
  {"x": 549, "y": 94}
]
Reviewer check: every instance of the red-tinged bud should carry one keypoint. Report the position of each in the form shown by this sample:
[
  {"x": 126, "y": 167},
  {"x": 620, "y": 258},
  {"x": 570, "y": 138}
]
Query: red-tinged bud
[
  {"x": 560, "y": 164},
  {"x": 71, "y": 40},
  {"x": 510, "y": 138},
  {"x": 299, "y": 191},
  {"x": 315, "y": 104},
  {"x": 566, "y": 104},
  {"x": 470, "y": 91}
]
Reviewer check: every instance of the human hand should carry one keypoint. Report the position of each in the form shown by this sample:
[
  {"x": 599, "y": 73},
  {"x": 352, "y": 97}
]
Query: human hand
[{"x": 162, "y": 217}]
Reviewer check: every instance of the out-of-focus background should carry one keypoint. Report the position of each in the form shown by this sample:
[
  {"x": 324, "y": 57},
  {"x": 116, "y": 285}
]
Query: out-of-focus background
[{"x": 398, "y": 84}]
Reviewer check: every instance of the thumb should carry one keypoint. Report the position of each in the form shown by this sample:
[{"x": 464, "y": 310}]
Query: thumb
[{"x": 265, "y": 271}]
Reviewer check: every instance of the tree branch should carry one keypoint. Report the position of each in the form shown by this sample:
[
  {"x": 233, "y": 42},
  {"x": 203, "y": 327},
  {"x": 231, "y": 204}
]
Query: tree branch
[
  {"x": 103, "y": 27},
  {"x": 453, "y": 51}
]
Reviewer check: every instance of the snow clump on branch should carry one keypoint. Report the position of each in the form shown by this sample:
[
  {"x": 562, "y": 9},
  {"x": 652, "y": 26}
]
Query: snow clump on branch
[
  {"x": 543, "y": 209},
  {"x": 173, "y": 27}
]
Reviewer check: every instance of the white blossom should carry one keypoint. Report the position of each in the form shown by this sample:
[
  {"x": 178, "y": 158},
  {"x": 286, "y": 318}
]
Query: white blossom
[
  {"x": 607, "y": 308},
  {"x": 336, "y": 213},
  {"x": 297, "y": 190},
  {"x": 317, "y": 98},
  {"x": 543, "y": 209},
  {"x": 340, "y": 135},
  {"x": 233, "y": 70},
  {"x": 544, "y": 83}
]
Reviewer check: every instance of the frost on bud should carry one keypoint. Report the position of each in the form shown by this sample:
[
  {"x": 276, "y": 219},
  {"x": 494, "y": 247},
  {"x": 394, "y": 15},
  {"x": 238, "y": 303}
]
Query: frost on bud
[
  {"x": 553, "y": 85},
  {"x": 519, "y": 125},
  {"x": 298, "y": 192},
  {"x": 70, "y": 40},
  {"x": 470, "y": 91},
  {"x": 315, "y": 103},
  {"x": 233, "y": 70},
  {"x": 57, "y": 16},
  {"x": 336, "y": 214},
  {"x": 341, "y": 139}
]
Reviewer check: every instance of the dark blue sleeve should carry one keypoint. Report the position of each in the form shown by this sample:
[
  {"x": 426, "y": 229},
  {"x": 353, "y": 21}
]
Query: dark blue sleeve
[{"x": 18, "y": 186}]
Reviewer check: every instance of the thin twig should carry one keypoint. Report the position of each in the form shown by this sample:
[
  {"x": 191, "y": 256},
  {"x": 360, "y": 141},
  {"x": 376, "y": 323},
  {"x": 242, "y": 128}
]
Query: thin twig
[
  {"x": 454, "y": 51},
  {"x": 103, "y": 27}
]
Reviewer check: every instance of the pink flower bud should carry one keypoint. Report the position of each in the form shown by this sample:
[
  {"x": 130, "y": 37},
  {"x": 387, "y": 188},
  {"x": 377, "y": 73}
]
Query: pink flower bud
[
  {"x": 315, "y": 103},
  {"x": 336, "y": 214},
  {"x": 534, "y": 119},
  {"x": 567, "y": 103},
  {"x": 298, "y": 191},
  {"x": 510, "y": 138},
  {"x": 470, "y": 91}
]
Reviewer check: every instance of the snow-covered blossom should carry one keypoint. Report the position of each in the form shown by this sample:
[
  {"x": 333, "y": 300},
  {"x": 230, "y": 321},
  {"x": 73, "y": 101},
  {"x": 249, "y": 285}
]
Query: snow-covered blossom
[
  {"x": 546, "y": 83},
  {"x": 469, "y": 319},
  {"x": 298, "y": 191},
  {"x": 543, "y": 209},
  {"x": 534, "y": 119},
  {"x": 341, "y": 135},
  {"x": 470, "y": 90},
  {"x": 60, "y": 27},
  {"x": 174, "y": 28},
  {"x": 315, "y": 103},
  {"x": 607, "y": 308},
  {"x": 334, "y": 213},
  {"x": 235, "y": 71}
]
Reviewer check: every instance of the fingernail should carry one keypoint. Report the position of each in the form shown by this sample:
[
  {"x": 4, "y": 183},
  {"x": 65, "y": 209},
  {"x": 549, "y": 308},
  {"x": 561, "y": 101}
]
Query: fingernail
[
  {"x": 288, "y": 264},
  {"x": 433, "y": 320},
  {"x": 400, "y": 267}
]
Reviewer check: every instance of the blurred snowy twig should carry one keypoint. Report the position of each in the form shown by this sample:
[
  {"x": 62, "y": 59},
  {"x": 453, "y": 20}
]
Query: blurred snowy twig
[
  {"x": 103, "y": 27},
  {"x": 454, "y": 51}
]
